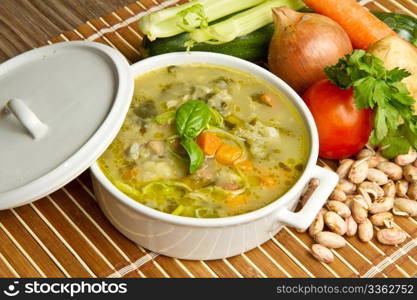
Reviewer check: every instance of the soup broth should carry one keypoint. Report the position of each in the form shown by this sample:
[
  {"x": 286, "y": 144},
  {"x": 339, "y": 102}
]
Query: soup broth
[{"x": 255, "y": 144}]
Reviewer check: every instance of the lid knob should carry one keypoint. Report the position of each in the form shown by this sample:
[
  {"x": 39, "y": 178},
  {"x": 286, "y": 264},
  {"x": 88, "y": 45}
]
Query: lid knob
[{"x": 27, "y": 118}]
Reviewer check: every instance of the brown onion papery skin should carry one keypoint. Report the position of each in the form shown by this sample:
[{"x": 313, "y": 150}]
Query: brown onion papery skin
[{"x": 303, "y": 45}]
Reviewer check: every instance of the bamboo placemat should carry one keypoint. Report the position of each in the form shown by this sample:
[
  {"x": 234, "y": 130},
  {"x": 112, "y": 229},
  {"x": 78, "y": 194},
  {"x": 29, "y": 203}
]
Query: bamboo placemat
[{"x": 66, "y": 235}]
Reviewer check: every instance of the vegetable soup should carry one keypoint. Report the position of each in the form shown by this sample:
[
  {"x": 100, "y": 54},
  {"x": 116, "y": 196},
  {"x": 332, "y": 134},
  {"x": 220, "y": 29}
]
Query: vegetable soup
[{"x": 206, "y": 141}]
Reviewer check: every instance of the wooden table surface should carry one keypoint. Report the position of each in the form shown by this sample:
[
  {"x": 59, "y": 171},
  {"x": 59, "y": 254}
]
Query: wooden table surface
[{"x": 26, "y": 24}]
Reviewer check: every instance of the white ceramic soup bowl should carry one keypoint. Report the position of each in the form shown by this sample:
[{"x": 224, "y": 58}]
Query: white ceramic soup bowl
[{"x": 202, "y": 239}]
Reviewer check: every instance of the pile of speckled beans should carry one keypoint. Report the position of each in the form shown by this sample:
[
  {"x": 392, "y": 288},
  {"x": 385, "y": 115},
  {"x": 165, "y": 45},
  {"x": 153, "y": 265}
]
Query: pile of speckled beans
[{"x": 370, "y": 192}]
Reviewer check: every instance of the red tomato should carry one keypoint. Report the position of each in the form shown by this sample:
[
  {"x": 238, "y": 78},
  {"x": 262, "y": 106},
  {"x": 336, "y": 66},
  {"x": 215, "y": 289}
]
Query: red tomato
[{"x": 343, "y": 129}]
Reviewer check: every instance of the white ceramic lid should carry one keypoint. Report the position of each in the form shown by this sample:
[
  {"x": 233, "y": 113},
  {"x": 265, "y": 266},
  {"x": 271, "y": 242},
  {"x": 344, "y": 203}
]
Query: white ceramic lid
[{"x": 60, "y": 108}]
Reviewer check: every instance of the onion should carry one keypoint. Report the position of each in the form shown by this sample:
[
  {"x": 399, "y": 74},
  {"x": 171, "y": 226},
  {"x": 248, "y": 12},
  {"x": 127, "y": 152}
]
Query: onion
[{"x": 303, "y": 45}]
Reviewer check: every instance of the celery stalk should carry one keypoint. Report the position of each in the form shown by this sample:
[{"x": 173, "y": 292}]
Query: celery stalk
[
  {"x": 187, "y": 17},
  {"x": 242, "y": 23}
]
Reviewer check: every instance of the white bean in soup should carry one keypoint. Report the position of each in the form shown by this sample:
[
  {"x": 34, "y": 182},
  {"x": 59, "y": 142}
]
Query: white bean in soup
[{"x": 254, "y": 146}]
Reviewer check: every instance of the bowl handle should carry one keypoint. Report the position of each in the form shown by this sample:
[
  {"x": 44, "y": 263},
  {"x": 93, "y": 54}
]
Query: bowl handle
[{"x": 303, "y": 218}]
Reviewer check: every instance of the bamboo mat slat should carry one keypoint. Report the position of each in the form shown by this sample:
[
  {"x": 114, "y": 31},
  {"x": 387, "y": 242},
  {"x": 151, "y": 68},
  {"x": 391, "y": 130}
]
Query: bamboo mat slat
[{"x": 66, "y": 235}]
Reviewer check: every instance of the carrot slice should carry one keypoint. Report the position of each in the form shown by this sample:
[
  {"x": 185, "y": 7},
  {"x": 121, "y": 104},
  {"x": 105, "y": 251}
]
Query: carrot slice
[
  {"x": 268, "y": 181},
  {"x": 363, "y": 28},
  {"x": 209, "y": 143},
  {"x": 227, "y": 154},
  {"x": 235, "y": 200}
]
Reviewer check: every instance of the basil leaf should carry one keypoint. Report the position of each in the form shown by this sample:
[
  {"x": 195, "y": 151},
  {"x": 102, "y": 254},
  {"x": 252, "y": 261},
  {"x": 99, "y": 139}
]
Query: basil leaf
[
  {"x": 194, "y": 152},
  {"x": 192, "y": 118}
]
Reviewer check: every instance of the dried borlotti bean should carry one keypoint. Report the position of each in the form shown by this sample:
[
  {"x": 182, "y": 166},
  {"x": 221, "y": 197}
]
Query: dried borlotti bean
[
  {"x": 365, "y": 231},
  {"x": 317, "y": 225},
  {"x": 391, "y": 170},
  {"x": 389, "y": 189},
  {"x": 335, "y": 222},
  {"x": 364, "y": 153},
  {"x": 346, "y": 186},
  {"x": 382, "y": 219},
  {"x": 349, "y": 201},
  {"x": 344, "y": 168},
  {"x": 401, "y": 187},
  {"x": 338, "y": 207},
  {"x": 404, "y": 206},
  {"x": 375, "y": 160},
  {"x": 323, "y": 210},
  {"x": 322, "y": 253},
  {"x": 359, "y": 171},
  {"x": 391, "y": 236},
  {"x": 377, "y": 176},
  {"x": 410, "y": 173},
  {"x": 367, "y": 196},
  {"x": 382, "y": 204},
  {"x": 371, "y": 188},
  {"x": 412, "y": 191},
  {"x": 406, "y": 159},
  {"x": 351, "y": 226},
  {"x": 359, "y": 209},
  {"x": 330, "y": 240},
  {"x": 338, "y": 195}
]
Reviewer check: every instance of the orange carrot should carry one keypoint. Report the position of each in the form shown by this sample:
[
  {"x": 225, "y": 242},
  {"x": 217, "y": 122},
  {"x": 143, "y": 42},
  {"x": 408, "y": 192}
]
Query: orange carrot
[
  {"x": 227, "y": 154},
  {"x": 235, "y": 200},
  {"x": 246, "y": 166},
  {"x": 268, "y": 181},
  {"x": 209, "y": 143},
  {"x": 363, "y": 28}
]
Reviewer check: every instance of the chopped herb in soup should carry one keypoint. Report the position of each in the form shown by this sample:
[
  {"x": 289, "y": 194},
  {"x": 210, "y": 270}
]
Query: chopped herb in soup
[{"x": 205, "y": 141}]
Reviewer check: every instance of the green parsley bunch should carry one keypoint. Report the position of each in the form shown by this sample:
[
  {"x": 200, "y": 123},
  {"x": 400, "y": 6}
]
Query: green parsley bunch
[{"x": 395, "y": 126}]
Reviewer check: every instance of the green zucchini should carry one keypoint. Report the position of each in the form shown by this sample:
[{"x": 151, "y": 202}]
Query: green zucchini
[
  {"x": 252, "y": 47},
  {"x": 405, "y": 26}
]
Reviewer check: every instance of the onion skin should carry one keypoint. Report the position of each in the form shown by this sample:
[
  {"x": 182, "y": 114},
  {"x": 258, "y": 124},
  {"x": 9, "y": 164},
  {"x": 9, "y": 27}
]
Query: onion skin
[{"x": 303, "y": 45}]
